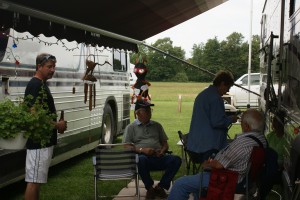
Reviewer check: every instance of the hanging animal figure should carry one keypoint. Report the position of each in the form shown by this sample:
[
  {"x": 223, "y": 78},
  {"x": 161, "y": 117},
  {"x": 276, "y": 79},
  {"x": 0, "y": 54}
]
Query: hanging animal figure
[
  {"x": 90, "y": 81},
  {"x": 141, "y": 86}
]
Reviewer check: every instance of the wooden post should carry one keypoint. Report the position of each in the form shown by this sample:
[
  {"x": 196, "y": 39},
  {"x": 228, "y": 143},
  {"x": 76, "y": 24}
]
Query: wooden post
[{"x": 179, "y": 102}]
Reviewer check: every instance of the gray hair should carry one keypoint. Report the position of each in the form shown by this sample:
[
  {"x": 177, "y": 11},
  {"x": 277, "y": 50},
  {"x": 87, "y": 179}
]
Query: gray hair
[{"x": 255, "y": 119}]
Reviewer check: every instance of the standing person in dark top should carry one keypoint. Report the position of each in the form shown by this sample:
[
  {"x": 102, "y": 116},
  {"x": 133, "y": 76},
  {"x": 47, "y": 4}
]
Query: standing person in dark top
[
  {"x": 38, "y": 158},
  {"x": 209, "y": 124}
]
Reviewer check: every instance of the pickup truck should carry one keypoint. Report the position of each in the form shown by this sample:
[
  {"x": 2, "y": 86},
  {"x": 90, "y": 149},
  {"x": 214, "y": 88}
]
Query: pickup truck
[{"x": 239, "y": 96}]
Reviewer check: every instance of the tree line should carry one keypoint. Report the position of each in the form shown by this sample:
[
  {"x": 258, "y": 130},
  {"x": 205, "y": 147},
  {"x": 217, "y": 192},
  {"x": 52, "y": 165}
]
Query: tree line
[{"x": 230, "y": 54}]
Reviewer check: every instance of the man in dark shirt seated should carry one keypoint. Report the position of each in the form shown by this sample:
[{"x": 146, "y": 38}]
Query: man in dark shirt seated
[{"x": 151, "y": 143}]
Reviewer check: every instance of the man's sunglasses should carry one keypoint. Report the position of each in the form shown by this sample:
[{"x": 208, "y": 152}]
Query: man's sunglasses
[{"x": 48, "y": 57}]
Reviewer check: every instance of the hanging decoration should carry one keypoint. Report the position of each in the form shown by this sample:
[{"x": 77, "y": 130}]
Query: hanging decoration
[
  {"x": 90, "y": 81},
  {"x": 17, "y": 39},
  {"x": 14, "y": 44},
  {"x": 9, "y": 52},
  {"x": 141, "y": 86},
  {"x": 47, "y": 43}
]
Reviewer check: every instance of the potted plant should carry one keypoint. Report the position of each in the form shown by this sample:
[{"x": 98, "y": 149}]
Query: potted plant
[
  {"x": 11, "y": 126},
  {"x": 19, "y": 121}
]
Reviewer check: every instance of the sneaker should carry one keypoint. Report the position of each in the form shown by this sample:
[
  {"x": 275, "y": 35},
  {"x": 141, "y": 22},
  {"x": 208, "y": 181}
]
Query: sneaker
[
  {"x": 160, "y": 192},
  {"x": 150, "y": 194}
]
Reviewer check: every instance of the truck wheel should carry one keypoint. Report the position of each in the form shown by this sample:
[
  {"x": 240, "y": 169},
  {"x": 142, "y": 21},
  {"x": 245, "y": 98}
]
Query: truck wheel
[{"x": 108, "y": 125}]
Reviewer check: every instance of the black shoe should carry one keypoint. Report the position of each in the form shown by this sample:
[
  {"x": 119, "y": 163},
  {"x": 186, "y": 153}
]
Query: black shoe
[
  {"x": 150, "y": 194},
  {"x": 160, "y": 192}
]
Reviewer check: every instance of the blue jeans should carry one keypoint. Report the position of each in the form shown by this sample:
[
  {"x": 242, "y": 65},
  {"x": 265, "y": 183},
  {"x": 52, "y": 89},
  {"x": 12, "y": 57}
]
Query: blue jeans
[
  {"x": 186, "y": 185},
  {"x": 169, "y": 163}
]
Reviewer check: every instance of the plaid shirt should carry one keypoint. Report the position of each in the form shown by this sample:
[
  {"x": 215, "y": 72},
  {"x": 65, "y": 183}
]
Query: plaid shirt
[{"x": 236, "y": 155}]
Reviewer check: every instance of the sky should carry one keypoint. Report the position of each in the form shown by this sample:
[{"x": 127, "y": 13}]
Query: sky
[{"x": 221, "y": 21}]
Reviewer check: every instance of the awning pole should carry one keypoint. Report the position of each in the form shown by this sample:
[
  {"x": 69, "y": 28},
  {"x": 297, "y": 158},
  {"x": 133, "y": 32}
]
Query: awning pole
[{"x": 250, "y": 51}]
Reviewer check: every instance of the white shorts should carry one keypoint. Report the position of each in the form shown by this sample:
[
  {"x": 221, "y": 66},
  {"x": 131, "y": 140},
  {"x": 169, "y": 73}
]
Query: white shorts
[{"x": 37, "y": 164}]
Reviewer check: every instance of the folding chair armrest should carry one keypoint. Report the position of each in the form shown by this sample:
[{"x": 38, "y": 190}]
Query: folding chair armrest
[
  {"x": 117, "y": 144},
  {"x": 181, "y": 137}
]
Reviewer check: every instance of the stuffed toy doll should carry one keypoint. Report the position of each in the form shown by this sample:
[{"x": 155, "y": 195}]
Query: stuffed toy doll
[{"x": 141, "y": 86}]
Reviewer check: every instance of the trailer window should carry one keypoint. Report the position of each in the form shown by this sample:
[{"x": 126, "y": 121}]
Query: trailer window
[
  {"x": 254, "y": 80},
  {"x": 120, "y": 60},
  {"x": 294, "y": 6},
  {"x": 263, "y": 34},
  {"x": 291, "y": 96}
]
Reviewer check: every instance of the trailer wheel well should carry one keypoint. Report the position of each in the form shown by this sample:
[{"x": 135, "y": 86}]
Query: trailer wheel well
[{"x": 111, "y": 101}]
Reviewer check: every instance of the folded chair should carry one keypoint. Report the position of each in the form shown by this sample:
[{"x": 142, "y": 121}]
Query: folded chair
[
  {"x": 115, "y": 162},
  {"x": 190, "y": 157}
]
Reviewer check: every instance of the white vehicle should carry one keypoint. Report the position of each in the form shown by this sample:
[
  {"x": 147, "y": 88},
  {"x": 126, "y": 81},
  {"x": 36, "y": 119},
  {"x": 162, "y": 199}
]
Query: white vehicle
[
  {"x": 86, "y": 128},
  {"x": 240, "y": 96},
  {"x": 280, "y": 62}
]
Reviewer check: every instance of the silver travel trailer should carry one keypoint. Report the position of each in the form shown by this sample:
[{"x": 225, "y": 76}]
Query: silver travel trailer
[
  {"x": 86, "y": 128},
  {"x": 280, "y": 71}
]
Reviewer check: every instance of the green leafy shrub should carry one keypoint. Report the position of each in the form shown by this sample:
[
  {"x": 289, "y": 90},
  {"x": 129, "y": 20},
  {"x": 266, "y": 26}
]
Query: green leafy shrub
[
  {"x": 34, "y": 121},
  {"x": 180, "y": 77},
  {"x": 12, "y": 119}
]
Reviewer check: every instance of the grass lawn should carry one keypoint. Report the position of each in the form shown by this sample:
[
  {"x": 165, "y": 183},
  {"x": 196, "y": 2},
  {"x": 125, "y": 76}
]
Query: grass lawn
[{"x": 73, "y": 180}]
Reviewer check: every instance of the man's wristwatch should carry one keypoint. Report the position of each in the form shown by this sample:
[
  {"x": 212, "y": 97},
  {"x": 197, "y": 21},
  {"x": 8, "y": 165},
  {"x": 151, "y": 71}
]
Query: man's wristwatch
[{"x": 141, "y": 149}]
